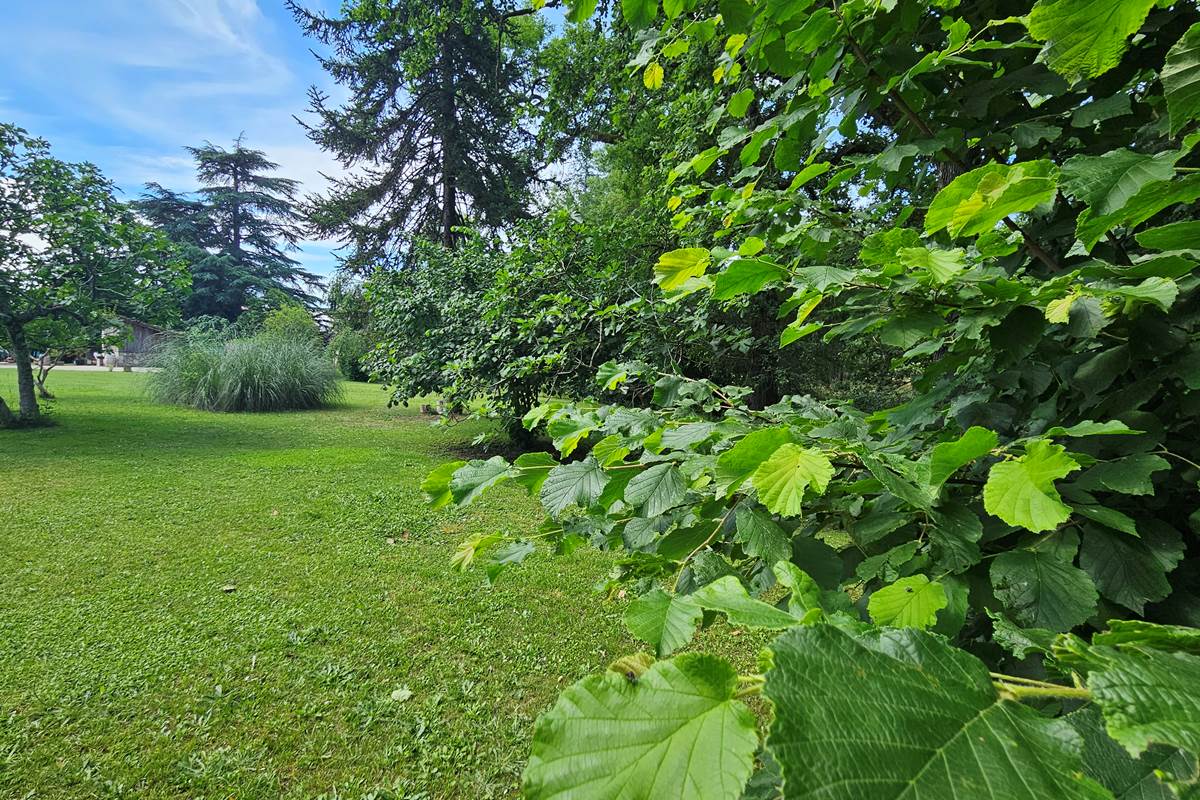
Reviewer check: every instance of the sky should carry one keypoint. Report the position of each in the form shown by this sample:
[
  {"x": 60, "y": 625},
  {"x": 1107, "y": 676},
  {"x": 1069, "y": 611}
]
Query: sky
[{"x": 126, "y": 84}]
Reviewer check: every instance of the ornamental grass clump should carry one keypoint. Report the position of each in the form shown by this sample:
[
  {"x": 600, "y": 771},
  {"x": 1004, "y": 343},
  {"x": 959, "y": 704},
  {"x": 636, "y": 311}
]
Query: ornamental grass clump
[{"x": 262, "y": 373}]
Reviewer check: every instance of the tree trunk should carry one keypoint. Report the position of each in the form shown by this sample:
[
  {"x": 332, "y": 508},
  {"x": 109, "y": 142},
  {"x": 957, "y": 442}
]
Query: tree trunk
[
  {"x": 236, "y": 221},
  {"x": 45, "y": 364},
  {"x": 26, "y": 391},
  {"x": 448, "y": 133}
]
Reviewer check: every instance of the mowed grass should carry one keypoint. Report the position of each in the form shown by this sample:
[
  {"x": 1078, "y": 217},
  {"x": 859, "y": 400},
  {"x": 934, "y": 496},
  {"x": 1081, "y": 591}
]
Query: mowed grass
[{"x": 199, "y": 605}]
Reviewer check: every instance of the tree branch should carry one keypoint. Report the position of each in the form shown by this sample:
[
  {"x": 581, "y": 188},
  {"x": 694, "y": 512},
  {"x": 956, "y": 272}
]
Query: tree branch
[{"x": 1034, "y": 248}]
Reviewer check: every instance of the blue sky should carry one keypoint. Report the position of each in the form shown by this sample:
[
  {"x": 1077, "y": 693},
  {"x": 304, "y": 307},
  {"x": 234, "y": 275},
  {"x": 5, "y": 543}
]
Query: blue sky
[{"x": 127, "y": 83}]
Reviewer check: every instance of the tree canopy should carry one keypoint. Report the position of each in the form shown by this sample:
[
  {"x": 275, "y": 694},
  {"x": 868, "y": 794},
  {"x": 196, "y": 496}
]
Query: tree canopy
[
  {"x": 986, "y": 584},
  {"x": 436, "y": 128},
  {"x": 71, "y": 254}
]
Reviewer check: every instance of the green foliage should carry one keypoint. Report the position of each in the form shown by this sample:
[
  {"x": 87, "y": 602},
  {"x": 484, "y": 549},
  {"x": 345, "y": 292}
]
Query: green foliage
[
  {"x": 705, "y": 749},
  {"x": 263, "y": 373},
  {"x": 1085, "y": 38},
  {"x": 1181, "y": 79},
  {"x": 987, "y": 170},
  {"x": 1021, "y": 492},
  {"x": 71, "y": 258},
  {"x": 438, "y": 90},
  {"x": 294, "y": 322},
  {"x": 930, "y": 717},
  {"x": 974, "y": 203},
  {"x": 349, "y": 350}
]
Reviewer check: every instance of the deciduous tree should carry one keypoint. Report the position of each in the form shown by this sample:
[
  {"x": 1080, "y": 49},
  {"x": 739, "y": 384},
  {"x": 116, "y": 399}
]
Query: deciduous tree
[{"x": 69, "y": 250}]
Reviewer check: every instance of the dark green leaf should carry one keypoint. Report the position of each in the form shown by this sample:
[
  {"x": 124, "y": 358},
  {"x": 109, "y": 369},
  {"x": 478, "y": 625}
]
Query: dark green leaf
[
  {"x": 657, "y": 490},
  {"x": 1149, "y": 697},
  {"x": 1131, "y": 571},
  {"x": 1127, "y": 778},
  {"x": 900, "y": 713},
  {"x": 1043, "y": 589},
  {"x": 760, "y": 536},
  {"x": 1180, "y": 78},
  {"x": 955, "y": 532},
  {"x": 948, "y": 457}
]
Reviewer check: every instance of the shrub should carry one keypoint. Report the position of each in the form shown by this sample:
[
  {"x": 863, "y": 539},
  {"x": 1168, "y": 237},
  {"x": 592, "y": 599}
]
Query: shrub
[
  {"x": 347, "y": 349},
  {"x": 292, "y": 322},
  {"x": 263, "y": 373}
]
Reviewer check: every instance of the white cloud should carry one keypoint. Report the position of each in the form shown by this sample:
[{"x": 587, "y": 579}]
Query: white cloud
[{"x": 128, "y": 83}]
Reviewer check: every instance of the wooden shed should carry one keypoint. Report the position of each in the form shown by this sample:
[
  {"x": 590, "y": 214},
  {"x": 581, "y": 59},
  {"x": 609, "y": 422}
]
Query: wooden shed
[{"x": 137, "y": 345}]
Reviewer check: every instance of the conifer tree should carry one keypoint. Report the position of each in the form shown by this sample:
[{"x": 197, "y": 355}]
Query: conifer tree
[
  {"x": 434, "y": 130},
  {"x": 236, "y": 231}
]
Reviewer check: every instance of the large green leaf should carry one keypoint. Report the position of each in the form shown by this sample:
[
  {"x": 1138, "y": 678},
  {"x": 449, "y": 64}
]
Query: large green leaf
[
  {"x": 977, "y": 201},
  {"x": 899, "y": 713},
  {"x": 1157, "y": 291},
  {"x": 1106, "y": 183},
  {"x": 948, "y": 457},
  {"x": 639, "y": 13},
  {"x": 905, "y": 481},
  {"x": 728, "y": 596},
  {"x": 476, "y": 477},
  {"x": 1128, "y": 475},
  {"x": 568, "y": 430},
  {"x": 955, "y": 531},
  {"x": 580, "y": 10},
  {"x": 1173, "y": 236},
  {"x": 1020, "y": 641},
  {"x": 1021, "y": 492},
  {"x": 760, "y": 536},
  {"x": 1085, "y": 38},
  {"x": 1042, "y": 588},
  {"x": 1149, "y": 697},
  {"x": 436, "y": 486},
  {"x": 806, "y": 593},
  {"x": 911, "y": 602},
  {"x": 940, "y": 265},
  {"x": 1132, "y": 571},
  {"x": 675, "y": 268},
  {"x": 782, "y": 479},
  {"x": 657, "y": 490},
  {"x": 665, "y": 621},
  {"x": 531, "y": 470},
  {"x": 1128, "y": 778},
  {"x": 578, "y": 483},
  {"x": 746, "y": 276},
  {"x": 1149, "y": 200},
  {"x": 675, "y": 732},
  {"x": 1180, "y": 78},
  {"x": 1147, "y": 634}
]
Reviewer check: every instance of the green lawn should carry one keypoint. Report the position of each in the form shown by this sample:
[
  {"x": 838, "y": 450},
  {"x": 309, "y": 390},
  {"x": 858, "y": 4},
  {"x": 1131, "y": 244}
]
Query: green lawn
[{"x": 127, "y": 670}]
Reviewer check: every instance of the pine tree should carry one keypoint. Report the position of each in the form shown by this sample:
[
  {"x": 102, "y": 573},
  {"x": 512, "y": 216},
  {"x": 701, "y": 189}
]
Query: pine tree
[
  {"x": 434, "y": 128},
  {"x": 236, "y": 231}
]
